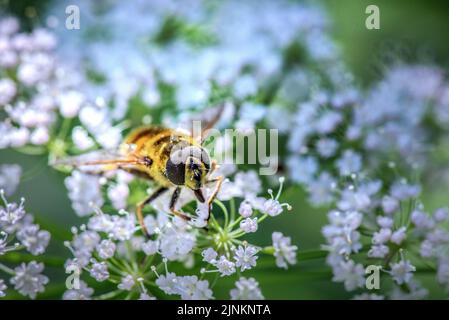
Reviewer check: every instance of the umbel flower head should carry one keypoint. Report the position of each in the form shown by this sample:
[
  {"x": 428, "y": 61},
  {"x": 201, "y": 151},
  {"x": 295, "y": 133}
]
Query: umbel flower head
[
  {"x": 28, "y": 279},
  {"x": 19, "y": 233},
  {"x": 112, "y": 248}
]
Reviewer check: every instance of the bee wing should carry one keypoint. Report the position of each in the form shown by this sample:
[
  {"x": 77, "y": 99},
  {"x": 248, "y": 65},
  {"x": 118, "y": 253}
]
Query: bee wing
[
  {"x": 100, "y": 159},
  {"x": 201, "y": 126}
]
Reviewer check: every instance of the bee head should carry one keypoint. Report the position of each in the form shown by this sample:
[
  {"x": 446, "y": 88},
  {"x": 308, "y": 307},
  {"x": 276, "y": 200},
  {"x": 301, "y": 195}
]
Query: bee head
[{"x": 188, "y": 166}]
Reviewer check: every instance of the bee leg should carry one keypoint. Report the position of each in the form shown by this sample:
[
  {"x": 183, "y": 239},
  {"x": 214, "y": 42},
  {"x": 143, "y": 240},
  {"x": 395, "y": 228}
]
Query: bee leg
[
  {"x": 101, "y": 172},
  {"x": 143, "y": 203},
  {"x": 214, "y": 166},
  {"x": 219, "y": 181},
  {"x": 173, "y": 200},
  {"x": 94, "y": 172}
]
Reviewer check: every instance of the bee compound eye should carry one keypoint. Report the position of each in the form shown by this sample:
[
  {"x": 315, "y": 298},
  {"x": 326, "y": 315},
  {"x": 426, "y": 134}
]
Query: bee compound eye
[{"x": 175, "y": 172}]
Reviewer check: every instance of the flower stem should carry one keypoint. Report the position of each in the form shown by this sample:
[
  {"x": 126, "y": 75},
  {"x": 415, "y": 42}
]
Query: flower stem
[
  {"x": 147, "y": 262},
  {"x": 235, "y": 223},
  {"x": 215, "y": 224},
  {"x": 232, "y": 201},
  {"x": 7, "y": 269},
  {"x": 65, "y": 126},
  {"x": 262, "y": 218},
  {"x": 225, "y": 212},
  {"x": 18, "y": 257},
  {"x": 109, "y": 295}
]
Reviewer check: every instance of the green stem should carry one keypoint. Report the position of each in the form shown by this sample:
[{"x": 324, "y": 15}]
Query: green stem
[
  {"x": 109, "y": 295},
  {"x": 393, "y": 251},
  {"x": 7, "y": 269},
  {"x": 147, "y": 263},
  {"x": 232, "y": 201},
  {"x": 236, "y": 234},
  {"x": 236, "y": 241},
  {"x": 225, "y": 212},
  {"x": 18, "y": 257},
  {"x": 129, "y": 296},
  {"x": 32, "y": 150},
  {"x": 308, "y": 255},
  {"x": 214, "y": 224},
  {"x": 115, "y": 268},
  {"x": 64, "y": 128},
  {"x": 262, "y": 218},
  {"x": 235, "y": 222},
  {"x": 121, "y": 265},
  {"x": 132, "y": 257}
]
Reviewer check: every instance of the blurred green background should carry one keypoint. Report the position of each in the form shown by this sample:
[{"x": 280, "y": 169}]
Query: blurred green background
[{"x": 411, "y": 31}]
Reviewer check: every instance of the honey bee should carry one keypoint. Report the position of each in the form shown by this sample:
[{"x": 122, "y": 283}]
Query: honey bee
[{"x": 169, "y": 157}]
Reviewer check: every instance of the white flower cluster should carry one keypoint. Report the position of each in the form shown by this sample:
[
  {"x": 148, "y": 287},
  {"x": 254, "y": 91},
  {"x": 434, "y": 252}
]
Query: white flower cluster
[
  {"x": 18, "y": 232},
  {"x": 111, "y": 247},
  {"x": 396, "y": 112},
  {"x": 193, "y": 46},
  {"x": 31, "y": 84},
  {"x": 86, "y": 190},
  {"x": 350, "y": 150},
  {"x": 39, "y": 95}
]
